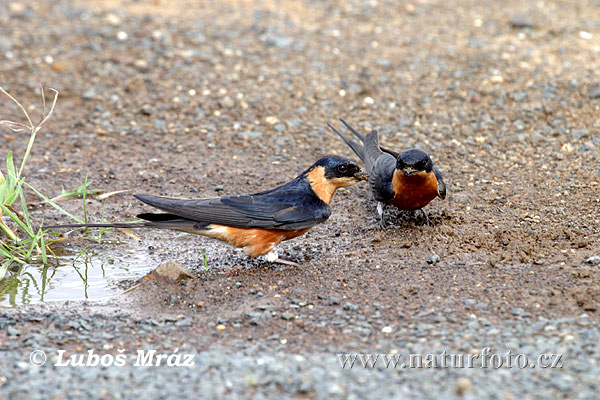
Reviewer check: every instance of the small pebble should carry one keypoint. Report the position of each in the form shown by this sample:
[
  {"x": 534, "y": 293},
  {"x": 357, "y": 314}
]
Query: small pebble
[
  {"x": 594, "y": 260},
  {"x": 463, "y": 385},
  {"x": 88, "y": 95},
  {"x": 433, "y": 259},
  {"x": 271, "y": 120},
  {"x": 595, "y": 92}
]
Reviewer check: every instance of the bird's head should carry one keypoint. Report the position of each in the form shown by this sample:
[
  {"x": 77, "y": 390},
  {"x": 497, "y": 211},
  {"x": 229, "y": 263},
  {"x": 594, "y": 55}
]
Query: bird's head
[
  {"x": 413, "y": 161},
  {"x": 331, "y": 173}
]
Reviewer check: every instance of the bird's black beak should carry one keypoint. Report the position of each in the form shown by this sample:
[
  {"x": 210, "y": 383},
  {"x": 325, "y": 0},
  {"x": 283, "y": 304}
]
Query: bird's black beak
[
  {"x": 361, "y": 176},
  {"x": 410, "y": 171}
]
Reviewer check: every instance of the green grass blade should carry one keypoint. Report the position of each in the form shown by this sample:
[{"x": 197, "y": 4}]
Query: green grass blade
[
  {"x": 24, "y": 209},
  {"x": 84, "y": 196},
  {"x": 6, "y": 211},
  {"x": 7, "y": 231},
  {"x": 10, "y": 165},
  {"x": 53, "y": 204},
  {"x": 43, "y": 247},
  {"x": 205, "y": 259},
  {"x": 11, "y": 186},
  {"x": 4, "y": 268}
]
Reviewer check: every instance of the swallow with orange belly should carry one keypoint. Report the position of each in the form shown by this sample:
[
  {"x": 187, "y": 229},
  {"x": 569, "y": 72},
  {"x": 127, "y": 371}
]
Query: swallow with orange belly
[
  {"x": 257, "y": 222},
  {"x": 406, "y": 180}
]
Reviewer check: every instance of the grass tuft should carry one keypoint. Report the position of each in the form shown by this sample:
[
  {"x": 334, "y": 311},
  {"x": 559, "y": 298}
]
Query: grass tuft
[{"x": 21, "y": 243}]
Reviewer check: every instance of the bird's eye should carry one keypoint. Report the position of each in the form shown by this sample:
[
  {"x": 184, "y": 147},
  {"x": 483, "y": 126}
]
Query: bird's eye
[{"x": 342, "y": 168}]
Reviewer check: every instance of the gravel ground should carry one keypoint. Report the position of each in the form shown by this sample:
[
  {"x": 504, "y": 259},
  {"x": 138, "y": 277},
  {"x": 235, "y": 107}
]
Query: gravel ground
[
  {"x": 204, "y": 99},
  {"x": 267, "y": 370}
]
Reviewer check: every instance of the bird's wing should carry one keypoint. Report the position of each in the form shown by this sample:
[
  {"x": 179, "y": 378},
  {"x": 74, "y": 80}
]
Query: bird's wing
[
  {"x": 380, "y": 167},
  {"x": 440, "y": 182},
  {"x": 380, "y": 178},
  {"x": 357, "y": 148},
  {"x": 372, "y": 150},
  {"x": 246, "y": 211}
]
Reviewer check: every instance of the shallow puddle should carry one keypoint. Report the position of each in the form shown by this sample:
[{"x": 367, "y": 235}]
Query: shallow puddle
[{"x": 89, "y": 276}]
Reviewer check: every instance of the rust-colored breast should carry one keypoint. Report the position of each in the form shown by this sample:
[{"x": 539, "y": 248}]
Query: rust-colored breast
[
  {"x": 257, "y": 241},
  {"x": 415, "y": 191}
]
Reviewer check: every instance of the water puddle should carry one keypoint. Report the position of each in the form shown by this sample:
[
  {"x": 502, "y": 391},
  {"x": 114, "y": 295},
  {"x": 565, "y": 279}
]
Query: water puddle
[{"x": 88, "y": 276}]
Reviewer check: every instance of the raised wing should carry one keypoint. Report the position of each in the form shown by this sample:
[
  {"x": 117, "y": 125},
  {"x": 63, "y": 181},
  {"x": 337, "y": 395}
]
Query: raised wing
[{"x": 380, "y": 166}]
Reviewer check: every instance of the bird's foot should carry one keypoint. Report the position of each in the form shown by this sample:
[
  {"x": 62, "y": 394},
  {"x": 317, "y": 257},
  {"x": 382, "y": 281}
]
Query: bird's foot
[
  {"x": 424, "y": 218},
  {"x": 273, "y": 257},
  {"x": 380, "y": 209}
]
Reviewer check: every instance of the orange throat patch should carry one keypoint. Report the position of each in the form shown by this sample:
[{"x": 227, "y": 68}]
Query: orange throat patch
[
  {"x": 413, "y": 192},
  {"x": 325, "y": 188}
]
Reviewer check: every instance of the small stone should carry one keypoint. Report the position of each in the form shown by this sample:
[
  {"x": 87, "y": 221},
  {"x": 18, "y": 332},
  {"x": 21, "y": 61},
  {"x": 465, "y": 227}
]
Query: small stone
[
  {"x": 287, "y": 316},
  {"x": 333, "y": 301},
  {"x": 16, "y": 7},
  {"x": 567, "y": 148},
  {"x": 350, "y": 306},
  {"x": 521, "y": 22},
  {"x": 89, "y": 95},
  {"x": 12, "y": 331},
  {"x": 433, "y": 259},
  {"x": 595, "y": 92},
  {"x": 517, "y": 311},
  {"x": 220, "y": 327},
  {"x": 250, "y": 134},
  {"x": 387, "y": 329},
  {"x": 518, "y": 96},
  {"x": 141, "y": 65},
  {"x": 147, "y": 109},
  {"x": 271, "y": 120},
  {"x": 113, "y": 19},
  {"x": 279, "y": 41},
  {"x": 172, "y": 271},
  {"x": 184, "y": 322},
  {"x": 226, "y": 102},
  {"x": 594, "y": 260},
  {"x": 462, "y": 386},
  {"x": 580, "y": 133},
  {"x": 219, "y": 188}
]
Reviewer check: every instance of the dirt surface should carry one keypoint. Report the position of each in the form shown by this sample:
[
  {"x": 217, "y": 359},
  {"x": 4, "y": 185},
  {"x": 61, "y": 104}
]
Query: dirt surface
[{"x": 199, "y": 100}]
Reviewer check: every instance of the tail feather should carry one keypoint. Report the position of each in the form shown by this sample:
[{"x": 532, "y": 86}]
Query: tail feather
[
  {"x": 116, "y": 225},
  {"x": 354, "y": 131},
  {"x": 155, "y": 221},
  {"x": 357, "y": 148}
]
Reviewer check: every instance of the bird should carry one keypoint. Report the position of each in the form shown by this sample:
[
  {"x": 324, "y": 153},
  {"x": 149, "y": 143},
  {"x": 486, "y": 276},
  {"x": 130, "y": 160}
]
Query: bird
[
  {"x": 257, "y": 222},
  {"x": 406, "y": 180}
]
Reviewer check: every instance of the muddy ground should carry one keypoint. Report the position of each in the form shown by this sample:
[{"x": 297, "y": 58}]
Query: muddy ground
[{"x": 203, "y": 99}]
